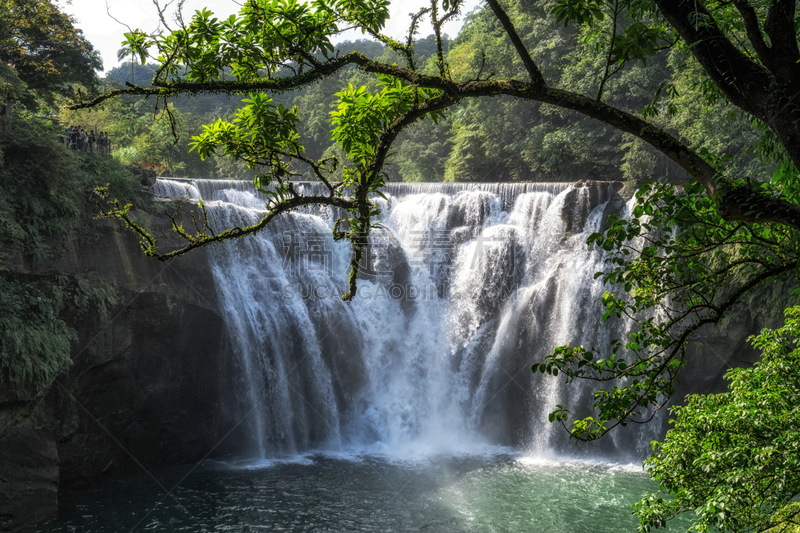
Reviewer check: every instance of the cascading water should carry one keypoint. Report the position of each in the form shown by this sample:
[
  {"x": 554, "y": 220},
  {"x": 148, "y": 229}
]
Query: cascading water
[{"x": 465, "y": 286}]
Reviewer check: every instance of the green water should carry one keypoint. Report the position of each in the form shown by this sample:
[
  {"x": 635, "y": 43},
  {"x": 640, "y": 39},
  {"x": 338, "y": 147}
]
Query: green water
[{"x": 324, "y": 493}]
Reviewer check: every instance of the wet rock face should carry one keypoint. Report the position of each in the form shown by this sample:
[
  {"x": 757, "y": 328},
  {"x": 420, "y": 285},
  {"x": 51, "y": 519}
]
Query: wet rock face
[
  {"x": 28, "y": 476},
  {"x": 147, "y": 384},
  {"x": 587, "y": 195},
  {"x": 145, "y": 390}
]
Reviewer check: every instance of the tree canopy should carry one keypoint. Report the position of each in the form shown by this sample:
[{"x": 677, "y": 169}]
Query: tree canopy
[
  {"x": 685, "y": 258},
  {"x": 44, "y": 48},
  {"x": 734, "y": 458}
]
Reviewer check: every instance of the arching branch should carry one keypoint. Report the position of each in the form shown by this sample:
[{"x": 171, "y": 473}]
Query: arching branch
[
  {"x": 735, "y": 204},
  {"x": 753, "y": 30}
]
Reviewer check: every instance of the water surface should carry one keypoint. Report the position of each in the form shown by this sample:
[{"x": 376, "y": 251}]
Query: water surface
[{"x": 329, "y": 493}]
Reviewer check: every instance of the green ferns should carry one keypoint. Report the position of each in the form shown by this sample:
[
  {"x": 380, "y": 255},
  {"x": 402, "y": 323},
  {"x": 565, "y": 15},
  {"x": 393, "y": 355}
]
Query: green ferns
[
  {"x": 35, "y": 342},
  {"x": 44, "y": 196}
]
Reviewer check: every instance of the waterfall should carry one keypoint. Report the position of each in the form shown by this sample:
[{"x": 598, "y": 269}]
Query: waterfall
[{"x": 465, "y": 286}]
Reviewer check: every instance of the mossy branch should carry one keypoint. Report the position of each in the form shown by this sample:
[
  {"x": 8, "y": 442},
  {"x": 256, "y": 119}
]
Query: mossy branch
[{"x": 205, "y": 236}]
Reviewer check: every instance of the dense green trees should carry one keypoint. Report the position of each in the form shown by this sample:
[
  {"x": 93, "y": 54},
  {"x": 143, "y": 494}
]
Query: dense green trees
[
  {"x": 44, "y": 49},
  {"x": 522, "y": 141},
  {"x": 497, "y": 140},
  {"x": 683, "y": 261},
  {"x": 735, "y": 457}
]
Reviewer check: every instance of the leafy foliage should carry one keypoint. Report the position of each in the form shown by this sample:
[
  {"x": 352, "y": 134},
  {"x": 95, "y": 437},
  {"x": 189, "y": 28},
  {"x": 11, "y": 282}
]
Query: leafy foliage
[
  {"x": 36, "y": 342},
  {"x": 44, "y": 190},
  {"x": 135, "y": 44},
  {"x": 361, "y": 118},
  {"x": 207, "y": 44},
  {"x": 11, "y": 87},
  {"x": 44, "y": 48},
  {"x": 734, "y": 458},
  {"x": 675, "y": 265},
  {"x": 259, "y": 134}
]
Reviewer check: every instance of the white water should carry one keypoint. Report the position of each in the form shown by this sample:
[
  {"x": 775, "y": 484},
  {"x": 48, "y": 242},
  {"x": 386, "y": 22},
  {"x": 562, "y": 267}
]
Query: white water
[{"x": 467, "y": 286}]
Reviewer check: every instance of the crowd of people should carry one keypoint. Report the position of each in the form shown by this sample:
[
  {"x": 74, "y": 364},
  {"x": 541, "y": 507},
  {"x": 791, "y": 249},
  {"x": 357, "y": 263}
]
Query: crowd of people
[{"x": 80, "y": 140}]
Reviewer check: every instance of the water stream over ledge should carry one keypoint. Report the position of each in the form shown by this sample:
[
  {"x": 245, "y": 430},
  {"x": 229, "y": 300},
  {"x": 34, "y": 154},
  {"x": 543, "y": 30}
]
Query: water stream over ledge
[
  {"x": 412, "y": 408},
  {"x": 465, "y": 286}
]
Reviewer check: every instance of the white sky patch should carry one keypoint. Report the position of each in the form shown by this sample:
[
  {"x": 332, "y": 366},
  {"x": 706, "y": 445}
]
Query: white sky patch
[{"x": 106, "y": 34}]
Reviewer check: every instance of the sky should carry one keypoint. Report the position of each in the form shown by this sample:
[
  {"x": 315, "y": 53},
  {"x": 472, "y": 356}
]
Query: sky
[{"x": 105, "y": 33}]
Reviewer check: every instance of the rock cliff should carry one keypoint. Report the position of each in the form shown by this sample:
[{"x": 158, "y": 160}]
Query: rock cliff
[{"x": 144, "y": 389}]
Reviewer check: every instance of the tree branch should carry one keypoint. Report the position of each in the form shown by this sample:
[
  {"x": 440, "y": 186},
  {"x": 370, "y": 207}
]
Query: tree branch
[
  {"x": 412, "y": 30},
  {"x": 533, "y": 71},
  {"x": 739, "y": 203},
  {"x": 419, "y": 111},
  {"x": 135, "y": 90},
  {"x": 149, "y": 244},
  {"x": 161, "y": 11},
  {"x": 743, "y": 81},
  {"x": 765, "y": 94},
  {"x": 606, "y": 75},
  {"x": 781, "y": 31},
  {"x": 753, "y": 30}
]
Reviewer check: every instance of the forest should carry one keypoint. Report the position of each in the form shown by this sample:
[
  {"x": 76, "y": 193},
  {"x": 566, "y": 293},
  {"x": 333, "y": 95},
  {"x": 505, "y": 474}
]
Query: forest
[
  {"x": 691, "y": 104},
  {"x": 481, "y": 140}
]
